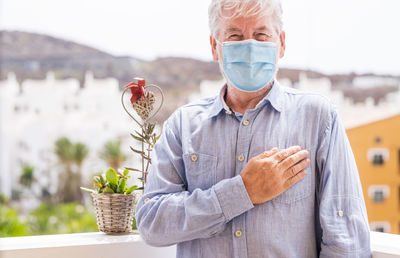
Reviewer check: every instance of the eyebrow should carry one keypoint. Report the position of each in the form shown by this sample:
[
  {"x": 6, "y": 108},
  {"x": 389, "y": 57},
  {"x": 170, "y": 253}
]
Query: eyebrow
[
  {"x": 262, "y": 28},
  {"x": 238, "y": 30},
  {"x": 232, "y": 30}
]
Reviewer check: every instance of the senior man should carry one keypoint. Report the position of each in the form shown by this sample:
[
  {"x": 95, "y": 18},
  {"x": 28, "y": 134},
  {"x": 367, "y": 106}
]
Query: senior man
[{"x": 259, "y": 170}]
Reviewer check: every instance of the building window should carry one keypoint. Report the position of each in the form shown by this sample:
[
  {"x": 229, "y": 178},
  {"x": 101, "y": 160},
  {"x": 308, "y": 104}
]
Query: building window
[
  {"x": 380, "y": 226},
  {"x": 378, "y": 193},
  {"x": 378, "y": 156},
  {"x": 378, "y": 160},
  {"x": 378, "y": 196}
]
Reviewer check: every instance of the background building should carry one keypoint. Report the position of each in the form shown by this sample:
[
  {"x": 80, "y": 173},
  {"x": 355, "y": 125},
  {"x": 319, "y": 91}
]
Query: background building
[
  {"x": 376, "y": 147},
  {"x": 36, "y": 113}
]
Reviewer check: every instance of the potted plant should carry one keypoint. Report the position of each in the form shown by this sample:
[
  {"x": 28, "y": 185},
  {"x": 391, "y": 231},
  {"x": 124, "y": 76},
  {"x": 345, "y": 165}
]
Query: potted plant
[{"x": 113, "y": 201}]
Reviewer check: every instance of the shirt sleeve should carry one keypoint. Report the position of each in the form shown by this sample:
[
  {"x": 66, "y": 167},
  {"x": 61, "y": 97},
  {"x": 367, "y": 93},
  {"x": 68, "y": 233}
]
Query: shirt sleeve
[
  {"x": 342, "y": 223},
  {"x": 168, "y": 214}
]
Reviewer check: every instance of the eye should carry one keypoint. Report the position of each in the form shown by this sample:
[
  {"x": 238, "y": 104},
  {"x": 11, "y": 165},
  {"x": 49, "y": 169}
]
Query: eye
[
  {"x": 262, "y": 36},
  {"x": 235, "y": 37}
]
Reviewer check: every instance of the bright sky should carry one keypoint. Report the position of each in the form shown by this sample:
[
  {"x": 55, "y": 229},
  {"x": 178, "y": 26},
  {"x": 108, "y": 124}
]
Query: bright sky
[{"x": 329, "y": 36}]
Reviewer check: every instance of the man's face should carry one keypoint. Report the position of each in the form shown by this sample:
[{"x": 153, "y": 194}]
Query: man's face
[{"x": 242, "y": 28}]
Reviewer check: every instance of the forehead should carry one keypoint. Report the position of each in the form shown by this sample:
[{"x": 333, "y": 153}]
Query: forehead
[{"x": 243, "y": 24}]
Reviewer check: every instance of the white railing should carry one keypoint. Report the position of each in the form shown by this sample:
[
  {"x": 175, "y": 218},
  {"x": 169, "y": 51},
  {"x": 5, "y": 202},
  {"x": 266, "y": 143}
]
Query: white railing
[{"x": 95, "y": 245}]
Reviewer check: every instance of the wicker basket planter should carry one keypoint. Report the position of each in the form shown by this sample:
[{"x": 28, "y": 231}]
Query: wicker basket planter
[{"x": 114, "y": 212}]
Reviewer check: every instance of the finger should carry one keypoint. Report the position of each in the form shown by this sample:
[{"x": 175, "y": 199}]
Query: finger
[
  {"x": 293, "y": 180},
  {"x": 292, "y": 171},
  {"x": 283, "y": 154},
  {"x": 293, "y": 160},
  {"x": 269, "y": 153}
]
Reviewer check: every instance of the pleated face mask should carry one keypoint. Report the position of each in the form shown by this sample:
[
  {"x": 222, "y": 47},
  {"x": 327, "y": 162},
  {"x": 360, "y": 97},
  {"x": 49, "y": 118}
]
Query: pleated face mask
[{"x": 249, "y": 65}]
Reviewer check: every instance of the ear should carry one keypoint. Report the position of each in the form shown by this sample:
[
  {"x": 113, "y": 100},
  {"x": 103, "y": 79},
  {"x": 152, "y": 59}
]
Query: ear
[
  {"x": 282, "y": 37},
  {"x": 213, "y": 44}
]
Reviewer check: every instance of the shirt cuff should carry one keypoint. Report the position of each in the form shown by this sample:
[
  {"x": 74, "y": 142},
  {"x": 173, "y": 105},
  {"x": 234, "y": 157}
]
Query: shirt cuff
[{"x": 233, "y": 197}]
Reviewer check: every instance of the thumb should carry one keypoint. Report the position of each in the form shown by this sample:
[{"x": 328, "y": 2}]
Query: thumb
[{"x": 269, "y": 153}]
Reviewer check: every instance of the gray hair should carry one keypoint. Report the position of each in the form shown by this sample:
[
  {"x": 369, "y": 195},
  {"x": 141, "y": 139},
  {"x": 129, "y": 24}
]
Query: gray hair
[{"x": 243, "y": 8}]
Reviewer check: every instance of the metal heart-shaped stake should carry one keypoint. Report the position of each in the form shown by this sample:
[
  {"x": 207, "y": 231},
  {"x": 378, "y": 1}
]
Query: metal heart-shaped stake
[{"x": 144, "y": 106}]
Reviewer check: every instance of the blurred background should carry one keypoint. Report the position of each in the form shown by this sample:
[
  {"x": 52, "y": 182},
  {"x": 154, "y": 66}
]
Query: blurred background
[{"x": 63, "y": 65}]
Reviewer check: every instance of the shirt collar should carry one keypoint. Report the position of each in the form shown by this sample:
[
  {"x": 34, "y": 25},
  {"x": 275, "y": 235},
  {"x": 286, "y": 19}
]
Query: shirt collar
[
  {"x": 275, "y": 97},
  {"x": 219, "y": 103}
]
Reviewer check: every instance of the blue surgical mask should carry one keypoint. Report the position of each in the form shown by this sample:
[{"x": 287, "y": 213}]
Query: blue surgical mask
[{"x": 249, "y": 65}]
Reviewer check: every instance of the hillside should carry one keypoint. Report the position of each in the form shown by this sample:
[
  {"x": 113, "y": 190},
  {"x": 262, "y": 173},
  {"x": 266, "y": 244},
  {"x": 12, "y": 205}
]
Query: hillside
[
  {"x": 32, "y": 55},
  {"x": 17, "y": 45}
]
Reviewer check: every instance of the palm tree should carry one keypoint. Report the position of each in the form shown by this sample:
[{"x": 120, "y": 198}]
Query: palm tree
[
  {"x": 27, "y": 177},
  {"x": 112, "y": 154},
  {"x": 79, "y": 154},
  {"x": 70, "y": 154}
]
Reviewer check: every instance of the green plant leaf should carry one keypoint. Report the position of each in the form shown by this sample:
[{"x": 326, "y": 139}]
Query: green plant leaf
[
  {"x": 126, "y": 172},
  {"x": 131, "y": 189},
  {"x": 88, "y": 190},
  {"x": 112, "y": 177},
  {"x": 137, "y": 151},
  {"x": 122, "y": 185},
  {"x": 108, "y": 190},
  {"x": 134, "y": 169},
  {"x": 146, "y": 157},
  {"x": 137, "y": 138},
  {"x": 141, "y": 135},
  {"x": 102, "y": 181}
]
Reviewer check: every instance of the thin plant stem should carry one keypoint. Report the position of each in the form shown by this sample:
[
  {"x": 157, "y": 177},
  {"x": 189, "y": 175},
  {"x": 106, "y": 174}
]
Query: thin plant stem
[
  {"x": 143, "y": 174},
  {"x": 148, "y": 163}
]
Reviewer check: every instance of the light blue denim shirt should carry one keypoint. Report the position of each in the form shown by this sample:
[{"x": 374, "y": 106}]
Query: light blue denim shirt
[{"x": 195, "y": 197}]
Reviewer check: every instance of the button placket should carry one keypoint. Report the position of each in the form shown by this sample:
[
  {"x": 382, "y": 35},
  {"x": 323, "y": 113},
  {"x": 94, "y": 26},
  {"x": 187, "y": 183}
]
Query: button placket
[{"x": 242, "y": 148}]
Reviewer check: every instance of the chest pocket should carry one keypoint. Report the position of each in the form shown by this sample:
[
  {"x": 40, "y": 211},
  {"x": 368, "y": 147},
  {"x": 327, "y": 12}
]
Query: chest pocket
[
  {"x": 301, "y": 189},
  {"x": 298, "y": 191},
  {"x": 200, "y": 170}
]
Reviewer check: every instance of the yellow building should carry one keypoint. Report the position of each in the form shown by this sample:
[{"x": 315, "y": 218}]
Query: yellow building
[{"x": 376, "y": 148}]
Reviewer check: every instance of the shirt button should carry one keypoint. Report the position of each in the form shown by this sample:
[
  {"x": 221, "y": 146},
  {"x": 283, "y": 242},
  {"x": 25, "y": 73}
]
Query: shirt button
[
  {"x": 241, "y": 157},
  {"x": 238, "y": 233},
  {"x": 146, "y": 200},
  {"x": 194, "y": 158},
  {"x": 246, "y": 122},
  {"x": 340, "y": 213}
]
